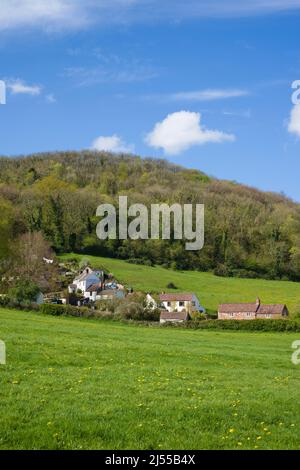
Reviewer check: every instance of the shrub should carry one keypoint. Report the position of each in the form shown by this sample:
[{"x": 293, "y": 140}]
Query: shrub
[
  {"x": 130, "y": 311},
  {"x": 171, "y": 285},
  {"x": 245, "y": 274},
  {"x": 198, "y": 316},
  {"x": 24, "y": 292},
  {"x": 61, "y": 310},
  {"x": 4, "y": 301},
  {"x": 222, "y": 270},
  {"x": 134, "y": 307},
  {"x": 107, "y": 305},
  {"x": 142, "y": 261}
]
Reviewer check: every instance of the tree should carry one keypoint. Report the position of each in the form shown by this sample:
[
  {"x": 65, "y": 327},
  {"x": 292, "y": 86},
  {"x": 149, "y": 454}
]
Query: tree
[{"x": 31, "y": 251}]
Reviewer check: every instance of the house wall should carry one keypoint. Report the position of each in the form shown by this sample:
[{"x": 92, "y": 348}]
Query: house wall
[
  {"x": 237, "y": 316},
  {"x": 174, "y": 306},
  {"x": 87, "y": 295},
  {"x": 189, "y": 306},
  {"x": 171, "y": 321},
  {"x": 248, "y": 316},
  {"x": 272, "y": 316}
]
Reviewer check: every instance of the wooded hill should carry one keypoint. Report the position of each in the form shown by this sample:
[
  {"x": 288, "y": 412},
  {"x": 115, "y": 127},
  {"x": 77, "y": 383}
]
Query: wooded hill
[{"x": 248, "y": 233}]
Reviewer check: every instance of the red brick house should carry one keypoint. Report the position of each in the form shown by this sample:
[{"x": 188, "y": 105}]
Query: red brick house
[{"x": 252, "y": 311}]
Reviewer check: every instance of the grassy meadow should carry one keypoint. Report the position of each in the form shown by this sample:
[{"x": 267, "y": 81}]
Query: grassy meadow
[
  {"x": 85, "y": 384},
  {"x": 211, "y": 290}
]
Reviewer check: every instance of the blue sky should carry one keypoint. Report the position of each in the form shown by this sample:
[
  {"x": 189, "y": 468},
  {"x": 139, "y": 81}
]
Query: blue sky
[{"x": 203, "y": 84}]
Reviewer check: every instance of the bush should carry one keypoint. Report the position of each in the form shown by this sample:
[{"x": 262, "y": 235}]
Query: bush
[
  {"x": 142, "y": 261},
  {"x": 245, "y": 274},
  {"x": 24, "y": 292},
  {"x": 4, "y": 301},
  {"x": 53, "y": 309},
  {"x": 222, "y": 270},
  {"x": 130, "y": 311},
  {"x": 198, "y": 316},
  {"x": 171, "y": 285},
  {"x": 134, "y": 307},
  {"x": 61, "y": 310}
]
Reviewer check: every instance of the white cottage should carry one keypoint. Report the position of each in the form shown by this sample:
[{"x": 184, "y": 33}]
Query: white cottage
[
  {"x": 89, "y": 282},
  {"x": 181, "y": 302}
]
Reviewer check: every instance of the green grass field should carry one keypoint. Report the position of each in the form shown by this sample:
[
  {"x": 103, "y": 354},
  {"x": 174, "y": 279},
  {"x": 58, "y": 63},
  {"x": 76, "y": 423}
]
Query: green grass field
[
  {"x": 85, "y": 384},
  {"x": 211, "y": 290}
]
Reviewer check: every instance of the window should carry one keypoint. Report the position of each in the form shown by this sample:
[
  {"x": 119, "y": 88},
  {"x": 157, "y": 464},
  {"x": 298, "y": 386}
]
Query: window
[
  {"x": 231, "y": 314},
  {"x": 181, "y": 304},
  {"x": 169, "y": 304},
  {"x": 249, "y": 314},
  {"x": 269, "y": 315}
]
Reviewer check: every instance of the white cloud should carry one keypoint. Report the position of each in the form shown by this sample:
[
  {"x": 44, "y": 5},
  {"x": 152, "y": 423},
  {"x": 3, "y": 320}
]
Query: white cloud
[
  {"x": 66, "y": 14},
  {"x": 208, "y": 95},
  {"x": 294, "y": 124},
  {"x": 47, "y": 14},
  {"x": 18, "y": 87},
  {"x": 182, "y": 130},
  {"x": 112, "y": 143}
]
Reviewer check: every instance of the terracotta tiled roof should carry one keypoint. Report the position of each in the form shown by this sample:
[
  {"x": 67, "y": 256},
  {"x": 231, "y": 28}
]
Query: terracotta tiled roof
[
  {"x": 259, "y": 309},
  {"x": 176, "y": 297},
  {"x": 165, "y": 315},
  {"x": 236, "y": 308},
  {"x": 269, "y": 309}
]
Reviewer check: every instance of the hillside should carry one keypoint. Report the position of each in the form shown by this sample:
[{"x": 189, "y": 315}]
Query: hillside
[
  {"x": 248, "y": 233},
  {"x": 211, "y": 290},
  {"x": 87, "y": 384}
]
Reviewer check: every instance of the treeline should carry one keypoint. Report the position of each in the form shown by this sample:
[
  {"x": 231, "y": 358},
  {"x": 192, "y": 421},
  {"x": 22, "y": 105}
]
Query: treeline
[{"x": 248, "y": 233}]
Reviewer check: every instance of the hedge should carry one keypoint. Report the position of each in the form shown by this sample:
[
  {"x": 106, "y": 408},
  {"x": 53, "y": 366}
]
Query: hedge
[
  {"x": 233, "y": 325},
  {"x": 65, "y": 310},
  {"x": 245, "y": 325}
]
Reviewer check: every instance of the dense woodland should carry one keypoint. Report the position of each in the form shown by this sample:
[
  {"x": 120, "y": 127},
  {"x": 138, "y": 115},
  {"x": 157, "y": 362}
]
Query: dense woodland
[{"x": 248, "y": 233}]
